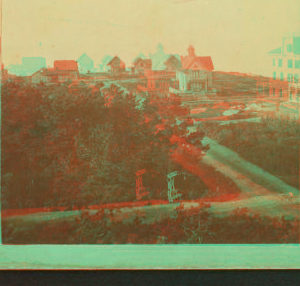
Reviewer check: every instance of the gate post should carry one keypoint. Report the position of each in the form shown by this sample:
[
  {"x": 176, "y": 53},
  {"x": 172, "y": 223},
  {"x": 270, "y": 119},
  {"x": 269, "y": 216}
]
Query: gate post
[{"x": 139, "y": 184}]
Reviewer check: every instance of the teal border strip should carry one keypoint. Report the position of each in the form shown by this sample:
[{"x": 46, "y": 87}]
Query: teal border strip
[{"x": 150, "y": 257}]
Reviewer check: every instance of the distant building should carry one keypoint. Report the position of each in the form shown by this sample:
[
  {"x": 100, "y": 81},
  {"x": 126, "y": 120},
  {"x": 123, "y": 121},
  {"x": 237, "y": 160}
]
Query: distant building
[
  {"x": 66, "y": 65},
  {"x": 28, "y": 67},
  {"x": 161, "y": 74},
  {"x": 158, "y": 82},
  {"x": 116, "y": 65},
  {"x": 63, "y": 71},
  {"x": 162, "y": 61},
  {"x": 141, "y": 65},
  {"x": 285, "y": 62},
  {"x": 286, "y": 68},
  {"x": 85, "y": 64},
  {"x": 103, "y": 67},
  {"x": 195, "y": 74}
]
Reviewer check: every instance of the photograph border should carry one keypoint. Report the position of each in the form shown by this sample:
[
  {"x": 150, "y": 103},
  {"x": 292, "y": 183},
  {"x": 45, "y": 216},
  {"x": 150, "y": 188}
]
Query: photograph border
[
  {"x": 150, "y": 257},
  {"x": 222, "y": 256}
]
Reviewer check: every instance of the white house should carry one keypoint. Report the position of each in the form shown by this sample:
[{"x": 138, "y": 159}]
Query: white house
[{"x": 285, "y": 61}]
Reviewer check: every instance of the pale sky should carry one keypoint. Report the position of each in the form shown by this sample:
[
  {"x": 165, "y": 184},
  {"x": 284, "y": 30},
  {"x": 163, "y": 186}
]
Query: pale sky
[{"x": 237, "y": 34}]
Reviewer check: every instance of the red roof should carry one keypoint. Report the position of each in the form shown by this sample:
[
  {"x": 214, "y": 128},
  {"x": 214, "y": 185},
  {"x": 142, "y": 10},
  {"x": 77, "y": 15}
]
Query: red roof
[
  {"x": 66, "y": 65},
  {"x": 205, "y": 62}
]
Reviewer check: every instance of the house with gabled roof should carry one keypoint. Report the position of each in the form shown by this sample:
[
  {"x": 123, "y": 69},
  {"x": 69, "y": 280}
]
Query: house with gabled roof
[
  {"x": 103, "y": 67},
  {"x": 66, "y": 65},
  {"x": 161, "y": 75},
  {"x": 85, "y": 64},
  {"x": 141, "y": 64},
  {"x": 63, "y": 71},
  {"x": 163, "y": 61},
  {"x": 116, "y": 65},
  {"x": 195, "y": 74}
]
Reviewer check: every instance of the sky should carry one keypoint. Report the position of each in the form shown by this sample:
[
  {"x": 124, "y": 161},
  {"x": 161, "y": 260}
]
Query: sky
[{"x": 237, "y": 34}]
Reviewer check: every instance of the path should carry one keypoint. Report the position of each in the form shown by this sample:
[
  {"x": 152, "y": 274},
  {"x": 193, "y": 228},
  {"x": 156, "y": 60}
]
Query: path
[{"x": 230, "y": 163}]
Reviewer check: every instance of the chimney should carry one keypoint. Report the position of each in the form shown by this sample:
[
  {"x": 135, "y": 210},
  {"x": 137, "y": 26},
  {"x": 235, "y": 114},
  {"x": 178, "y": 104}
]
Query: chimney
[{"x": 191, "y": 51}]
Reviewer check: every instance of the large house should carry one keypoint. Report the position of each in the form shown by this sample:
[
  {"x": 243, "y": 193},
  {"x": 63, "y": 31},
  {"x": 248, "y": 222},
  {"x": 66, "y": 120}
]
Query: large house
[
  {"x": 285, "y": 60},
  {"x": 85, "y": 64},
  {"x": 112, "y": 64},
  {"x": 63, "y": 71},
  {"x": 195, "y": 74}
]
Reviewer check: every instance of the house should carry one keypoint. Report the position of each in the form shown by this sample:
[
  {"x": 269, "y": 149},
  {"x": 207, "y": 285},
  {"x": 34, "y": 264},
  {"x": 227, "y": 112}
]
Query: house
[
  {"x": 284, "y": 78},
  {"x": 115, "y": 65},
  {"x": 66, "y": 65},
  {"x": 161, "y": 76},
  {"x": 85, "y": 64},
  {"x": 163, "y": 61},
  {"x": 32, "y": 64},
  {"x": 195, "y": 74},
  {"x": 158, "y": 82},
  {"x": 28, "y": 67},
  {"x": 63, "y": 71},
  {"x": 141, "y": 65},
  {"x": 103, "y": 66}
]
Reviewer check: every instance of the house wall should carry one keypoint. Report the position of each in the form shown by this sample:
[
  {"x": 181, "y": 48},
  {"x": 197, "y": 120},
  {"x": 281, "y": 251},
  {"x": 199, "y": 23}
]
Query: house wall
[
  {"x": 86, "y": 65},
  {"x": 197, "y": 80},
  {"x": 282, "y": 71},
  {"x": 38, "y": 78},
  {"x": 182, "y": 79},
  {"x": 67, "y": 77},
  {"x": 194, "y": 80},
  {"x": 285, "y": 67}
]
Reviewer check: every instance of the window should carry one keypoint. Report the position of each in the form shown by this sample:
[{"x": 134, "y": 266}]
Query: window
[
  {"x": 281, "y": 76},
  {"x": 280, "y": 62},
  {"x": 289, "y": 77},
  {"x": 274, "y": 91},
  {"x": 290, "y": 64},
  {"x": 274, "y": 75},
  {"x": 296, "y": 78},
  {"x": 274, "y": 62},
  {"x": 289, "y": 48},
  {"x": 297, "y": 64}
]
